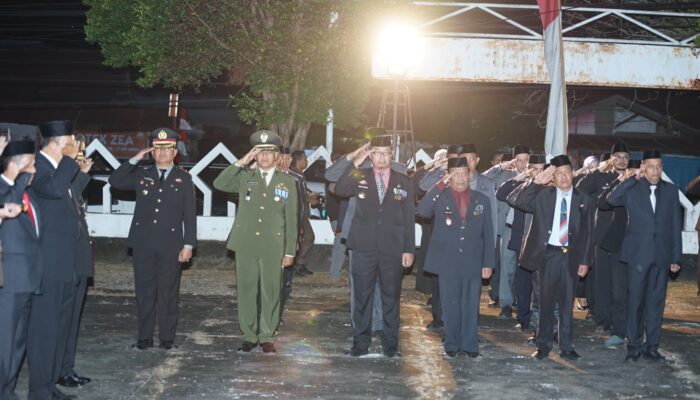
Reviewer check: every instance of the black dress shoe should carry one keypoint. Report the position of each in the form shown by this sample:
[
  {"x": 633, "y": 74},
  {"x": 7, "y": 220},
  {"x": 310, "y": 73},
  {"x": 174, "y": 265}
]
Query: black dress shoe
[
  {"x": 531, "y": 341},
  {"x": 167, "y": 344},
  {"x": 570, "y": 355},
  {"x": 246, "y": 347},
  {"x": 268, "y": 347},
  {"x": 451, "y": 354},
  {"x": 303, "y": 270},
  {"x": 632, "y": 355},
  {"x": 392, "y": 354},
  {"x": 506, "y": 313},
  {"x": 653, "y": 356},
  {"x": 435, "y": 325},
  {"x": 493, "y": 303},
  {"x": 73, "y": 380},
  {"x": 356, "y": 352},
  {"x": 540, "y": 354},
  {"x": 473, "y": 354},
  {"x": 143, "y": 344}
]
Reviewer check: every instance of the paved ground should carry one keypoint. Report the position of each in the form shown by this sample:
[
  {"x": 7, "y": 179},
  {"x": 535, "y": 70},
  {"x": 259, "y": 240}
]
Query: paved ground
[{"x": 310, "y": 363}]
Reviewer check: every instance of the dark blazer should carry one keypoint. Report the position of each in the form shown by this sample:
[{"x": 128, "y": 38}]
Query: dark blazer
[
  {"x": 595, "y": 184},
  {"x": 161, "y": 210},
  {"x": 613, "y": 237},
  {"x": 64, "y": 238},
  {"x": 388, "y": 227},
  {"x": 541, "y": 200},
  {"x": 22, "y": 251},
  {"x": 460, "y": 249},
  {"x": 650, "y": 237},
  {"x": 521, "y": 219}
]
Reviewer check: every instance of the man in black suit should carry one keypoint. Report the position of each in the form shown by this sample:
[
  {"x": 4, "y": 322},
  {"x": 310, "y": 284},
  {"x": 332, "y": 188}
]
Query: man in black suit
[
  {"x": 595, "y": 184},
  {"x": 651, "y": 247},
  {"x": 382, "y": 238},
  {"x": 165, "y": 203},
  {"x": 22, "y": 261},
  {"x": 558, "y": 246},
  {"x": 66, "y": 260}
]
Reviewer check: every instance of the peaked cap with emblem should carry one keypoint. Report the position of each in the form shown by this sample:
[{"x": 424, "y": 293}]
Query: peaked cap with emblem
[
  {"x": 266, "y": 140},
  {"x": 163, "y": 138}
]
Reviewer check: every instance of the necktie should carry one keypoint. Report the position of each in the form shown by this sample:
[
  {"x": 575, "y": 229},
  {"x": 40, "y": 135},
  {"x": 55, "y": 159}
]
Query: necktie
[
  {"x": 264, "y": 175},
  {"x": 381, "y": 189},
  {"x": 28, "y": 207},
  {"x": 563, "y": 224},
  {"x": 652, "y": 197},
  {"x": 162, "y": 175}
]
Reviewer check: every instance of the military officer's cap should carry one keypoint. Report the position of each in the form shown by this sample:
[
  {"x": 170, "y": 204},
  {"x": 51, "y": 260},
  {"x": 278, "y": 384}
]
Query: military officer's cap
[
  {"x": 619, "y": 148},
  {"x": 56, "y": 128},
  {"x": 163, "y": 138},
  {"x": 650, "y": 154},
  {"x": 560, "y": 160},
  {"x": 458, "y": 162},
  {"x": 266, "y": 140},
  {"x": 634, "y": 164},
  {"x": 454, "y": 149},
  {"x": 19, "y": 147},
  {"x": 537, "y": 159},
  {"x": 520, "y": 149},
  {"x": 468, "y": 148}
]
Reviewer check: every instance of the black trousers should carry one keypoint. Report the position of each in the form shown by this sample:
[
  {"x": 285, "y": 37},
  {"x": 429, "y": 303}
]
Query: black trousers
[
  {"x": 602, "y": 287},
  {"x": 367, "y": 268},
  {"x": 436, "y": 303},
  {"x": 618, "y": 296},
  {"x": 157, "y": 282},
  {"x": 647, "y": 299},
  {"x": 77, "y": 311},
  {"x": 523, "y": 295},
  {"x": 306, "y": 242},
  {"x": 14, "y": 323},
  {"x": 287, "y": 276},
  {"x": 49, "y": 329},
  {"x": 556, "y": 290},
  {"x": 424, "y": 280}
]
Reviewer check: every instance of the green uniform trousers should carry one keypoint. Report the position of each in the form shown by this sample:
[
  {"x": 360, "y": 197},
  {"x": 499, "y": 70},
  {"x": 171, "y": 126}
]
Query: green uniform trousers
[{"x": 263, "y": 271}]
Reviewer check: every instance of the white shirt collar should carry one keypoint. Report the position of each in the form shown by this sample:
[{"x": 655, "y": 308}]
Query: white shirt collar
[
  {"x": 8, "y": 180},
  {"x": 51, "y": 160}
]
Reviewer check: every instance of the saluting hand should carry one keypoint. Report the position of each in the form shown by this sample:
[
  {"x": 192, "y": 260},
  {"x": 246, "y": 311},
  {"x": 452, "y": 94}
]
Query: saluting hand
[
  {"x": 361, "y": 155},
  {"x": 250, "y": 156},
  {"x": 351, "y": 156},
  {"x": 546, "y": 176},
  {"x": 142, "y": 153},
  {"x": 85, "y": 165}
]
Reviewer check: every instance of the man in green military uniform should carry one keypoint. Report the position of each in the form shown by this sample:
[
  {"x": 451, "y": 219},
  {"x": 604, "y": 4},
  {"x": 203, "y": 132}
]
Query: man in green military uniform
[{"x": 264, "y": 236}]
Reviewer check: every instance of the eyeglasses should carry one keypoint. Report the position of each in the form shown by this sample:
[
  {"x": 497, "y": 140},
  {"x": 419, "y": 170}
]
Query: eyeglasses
[
  {"x": 622, "y": 156},
  {"x": 382, "y": 153}
]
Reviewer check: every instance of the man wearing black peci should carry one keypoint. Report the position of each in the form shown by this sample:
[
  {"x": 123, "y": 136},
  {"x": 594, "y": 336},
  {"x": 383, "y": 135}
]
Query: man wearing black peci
[{"x": 559, "y": 247}]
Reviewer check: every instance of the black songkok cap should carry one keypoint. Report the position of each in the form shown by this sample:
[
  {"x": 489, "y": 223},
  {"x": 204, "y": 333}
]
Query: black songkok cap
[
  {"x": 506, "y": 157},
  {"x": 560, "y": 160},
  {"x": 537, "y": 159},
  {"x": 619, "y": 148},
  {"x": 468, "y": 148},
  {"x": 454, "y": 149},
  {"x": 56, "y": 128},
  {"x": 634, "y": 164},
  {"x": 378, "y": 137},
  {"x": 653, "y": 153},
  {"x": 284, "y": 150},
  {"x": 520, "y": 149},
  {"x": 604, "y": 157},
  {"x": 457, "y": 162},
  {"x": 18, "y": 147}
]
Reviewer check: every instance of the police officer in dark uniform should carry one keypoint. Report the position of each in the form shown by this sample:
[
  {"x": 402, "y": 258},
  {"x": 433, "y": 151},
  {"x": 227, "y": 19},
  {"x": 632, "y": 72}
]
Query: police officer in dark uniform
[{"x": 165, "y": 202}]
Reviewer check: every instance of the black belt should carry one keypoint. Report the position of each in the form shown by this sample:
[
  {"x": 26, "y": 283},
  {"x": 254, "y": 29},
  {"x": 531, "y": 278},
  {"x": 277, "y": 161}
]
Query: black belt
[{"x": 563, "y": 249}]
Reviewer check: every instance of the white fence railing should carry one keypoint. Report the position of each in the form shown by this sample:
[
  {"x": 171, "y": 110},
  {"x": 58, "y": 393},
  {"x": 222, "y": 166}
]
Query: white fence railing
[{"x": 115, "y": 220}]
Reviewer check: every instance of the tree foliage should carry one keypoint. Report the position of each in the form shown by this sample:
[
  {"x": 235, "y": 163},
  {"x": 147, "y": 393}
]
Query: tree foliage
[{"x": 293, "y": 59}]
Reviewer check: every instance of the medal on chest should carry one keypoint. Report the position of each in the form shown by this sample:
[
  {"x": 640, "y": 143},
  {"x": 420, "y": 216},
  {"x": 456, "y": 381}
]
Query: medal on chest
[{"x": 448, "y": 216}]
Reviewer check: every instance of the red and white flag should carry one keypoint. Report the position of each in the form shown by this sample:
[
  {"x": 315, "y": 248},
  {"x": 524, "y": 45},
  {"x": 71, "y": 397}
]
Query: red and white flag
[{"x": 557, "y": 131}]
